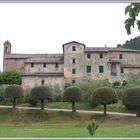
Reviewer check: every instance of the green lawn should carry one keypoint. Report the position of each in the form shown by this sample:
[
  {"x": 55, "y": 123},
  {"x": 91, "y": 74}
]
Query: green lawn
[
  {"x": 37, "y": 123},
  {"x": 65, "y": 130}
]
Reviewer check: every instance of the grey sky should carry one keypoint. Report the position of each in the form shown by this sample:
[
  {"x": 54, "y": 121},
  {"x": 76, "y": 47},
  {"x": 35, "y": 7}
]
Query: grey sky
[{"x": 43, "y": 28}]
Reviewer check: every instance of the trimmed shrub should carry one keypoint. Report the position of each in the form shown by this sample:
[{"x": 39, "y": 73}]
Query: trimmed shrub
[
  {"x": 14, "y": 92},
  {"x": 104, "y": 96},
  {"x": 72, "y": 94},
  {"x": 41, "y": 93},
  {"x": 67, "y": 85},
  {"x": 116, "y": 84},
  {"x": 87, "y": 88},
  {"x": 33, "y": 102},
  {"x": 131, "y": 99}
]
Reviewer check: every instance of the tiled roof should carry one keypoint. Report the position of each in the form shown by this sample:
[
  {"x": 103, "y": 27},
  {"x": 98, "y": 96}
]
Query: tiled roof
[
  {"x": 46, "y": 60},
  {"x": 74, "y": 42},
  {"x": 96, "y": 49},
  {"x": 37, "y": 58},
  {"x": 107, "y": 49}
]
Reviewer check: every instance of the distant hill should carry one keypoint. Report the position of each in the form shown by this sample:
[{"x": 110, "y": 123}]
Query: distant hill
[{"x": 131, "y": 44}]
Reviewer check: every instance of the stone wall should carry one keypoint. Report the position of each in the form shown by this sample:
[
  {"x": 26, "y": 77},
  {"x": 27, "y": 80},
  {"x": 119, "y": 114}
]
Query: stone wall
[
  {"x": 38, "y": 68},
  {"x": 31, "y": 81}
]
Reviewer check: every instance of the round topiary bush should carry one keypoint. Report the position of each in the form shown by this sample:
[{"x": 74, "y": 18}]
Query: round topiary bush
[
  {"x": 104, "y": 96},
  {"x": 72, "y": 94},
  {"x": 41, "y": 93},
  {"x": 131, "y": 99},
  {"x": 14, "y": 92}
]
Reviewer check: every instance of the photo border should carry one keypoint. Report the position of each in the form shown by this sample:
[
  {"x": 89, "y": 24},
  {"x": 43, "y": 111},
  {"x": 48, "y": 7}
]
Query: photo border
[{"x": 70, "y": 1}]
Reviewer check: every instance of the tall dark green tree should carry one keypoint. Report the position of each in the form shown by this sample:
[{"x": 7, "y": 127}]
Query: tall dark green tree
[
  {"x": 10, "y": 77},
  {"x": 133, "y": 11}
]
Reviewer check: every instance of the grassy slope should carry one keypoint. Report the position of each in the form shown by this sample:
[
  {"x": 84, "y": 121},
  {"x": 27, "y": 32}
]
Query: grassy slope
[{"x": 35, "y": 123}]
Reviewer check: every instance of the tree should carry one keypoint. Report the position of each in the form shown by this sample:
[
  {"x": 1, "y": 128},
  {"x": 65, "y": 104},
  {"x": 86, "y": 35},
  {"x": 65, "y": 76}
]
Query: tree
[
  {"x": 133, "y": 10},
  {"x": 104, "y": 96},
  {"x": 10, "y": 77},
  {"x": 41, "y": 93},
  {"x": 72, "y": 94},
  {"x": 131, "y": 44},
  {"x": 131, "y": 99},
  {"x": 14, "y": 92}
]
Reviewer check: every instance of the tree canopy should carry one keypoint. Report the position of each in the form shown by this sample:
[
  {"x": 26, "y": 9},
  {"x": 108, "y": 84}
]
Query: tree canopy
[
  {"x": 104, "y": 96},
  {"x": 131, "y": 99},
  {"x": 14, "y": 92},
  {"x": 10, "y": 77},
  {"x": 133, "y": 11},
  {"x": 41, "y": 93},
  {"x": 72, "y": 94}
]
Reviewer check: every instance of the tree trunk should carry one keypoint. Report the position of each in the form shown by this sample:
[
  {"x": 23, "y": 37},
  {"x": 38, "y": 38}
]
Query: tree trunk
[
  {"x": 105, "y": 110},
  {"x": 14, "y": 102},
  {"x": 42, "y": 104},
  {"x": 73, "y": 107},
  {"x": 138, "y": 112}
]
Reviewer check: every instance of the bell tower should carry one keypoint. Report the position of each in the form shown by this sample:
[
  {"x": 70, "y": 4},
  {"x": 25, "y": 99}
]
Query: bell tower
[{"x": 7, "y": 47}]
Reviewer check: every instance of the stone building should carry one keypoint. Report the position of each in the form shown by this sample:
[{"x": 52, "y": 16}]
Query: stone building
[{"x": 77, "y": 63}]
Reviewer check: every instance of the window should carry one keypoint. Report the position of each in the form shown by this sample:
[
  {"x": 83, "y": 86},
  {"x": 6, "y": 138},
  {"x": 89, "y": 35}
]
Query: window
[
  {"x": 42, "y": 82},
  {"x": 73, "y": 81},
  {"x": 101, "y": 55},
  {"x": 73, "y": 71},
  {"x": 101, "y": 69},
  {"x": 120, "y": 56},
  {"x": 88, "y": 55},
  {"x": 56, "y": 65},
  {"x": 88, "y": 68},
  {"x": 73, "y": 48},
  {"x": 121, "y": 69},
  {"x": 73, "y": 61},
  {"x": 6, "y": 49},
  {"x": 32, "y": 65},
  {"x": 44, "y": 65},
  {"x": 113, "y": 69}
]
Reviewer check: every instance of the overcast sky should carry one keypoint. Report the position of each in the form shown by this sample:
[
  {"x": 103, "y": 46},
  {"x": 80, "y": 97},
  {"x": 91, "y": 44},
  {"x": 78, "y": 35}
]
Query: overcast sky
[{"x": 43, "y": 28}]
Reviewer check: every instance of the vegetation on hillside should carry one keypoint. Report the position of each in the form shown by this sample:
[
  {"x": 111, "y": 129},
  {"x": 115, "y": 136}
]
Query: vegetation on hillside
[{"x": 131, "y": 44}]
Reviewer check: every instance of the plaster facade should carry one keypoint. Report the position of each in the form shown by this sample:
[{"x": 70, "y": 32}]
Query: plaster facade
[{"x": 77, "y": 63}]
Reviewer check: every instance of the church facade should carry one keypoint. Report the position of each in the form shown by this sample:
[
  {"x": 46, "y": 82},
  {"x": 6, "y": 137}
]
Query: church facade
[{"x": 76, "y": 64}]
